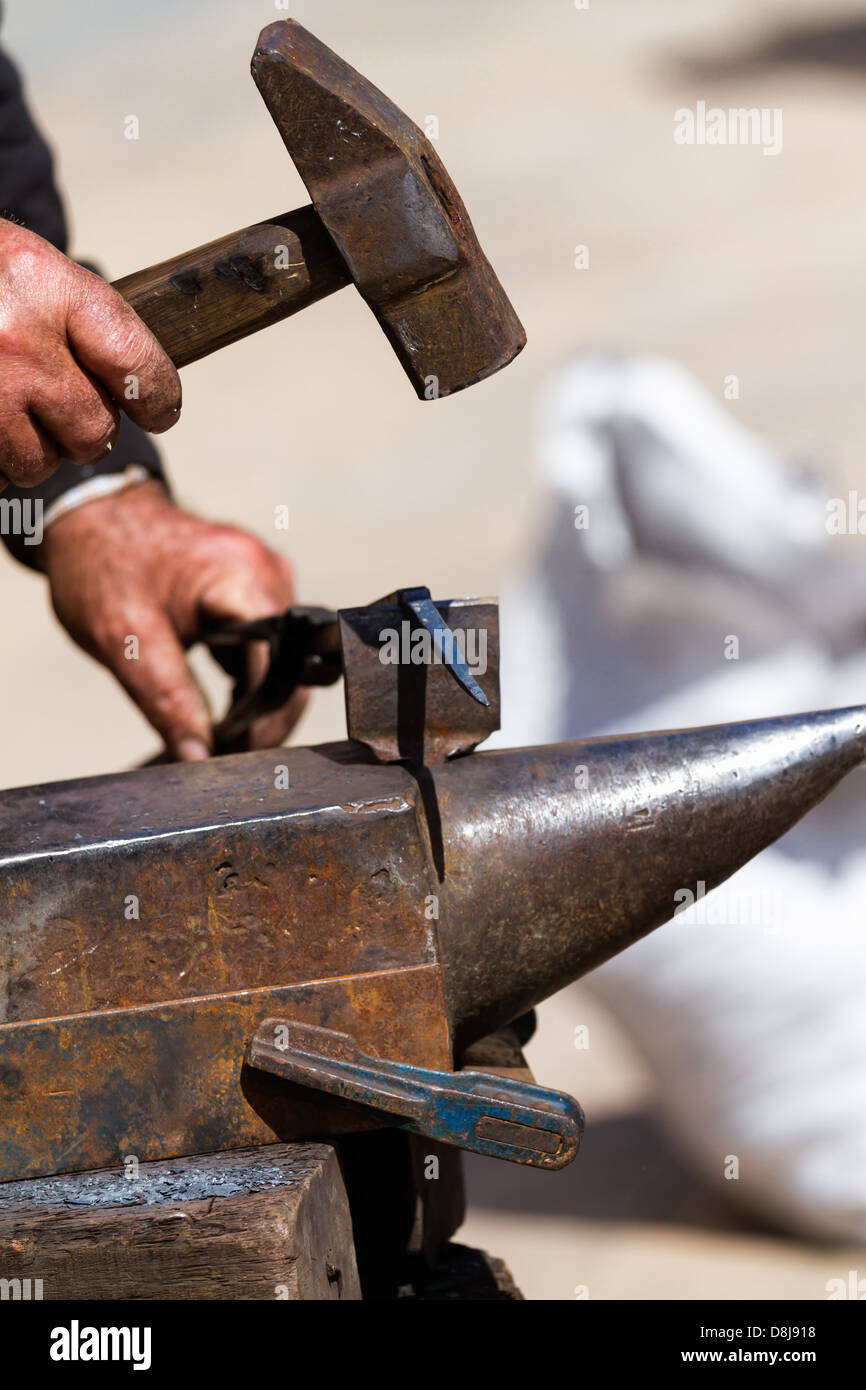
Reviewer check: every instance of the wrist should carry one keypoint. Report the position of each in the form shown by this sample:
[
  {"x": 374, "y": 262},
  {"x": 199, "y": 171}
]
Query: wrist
[
  {"x": 132, "y": 447},
  {"x": 131, "y": 508},
  {"x": 92, "y": 489}
]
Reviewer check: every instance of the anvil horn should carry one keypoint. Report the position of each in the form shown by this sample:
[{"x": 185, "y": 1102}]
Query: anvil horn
[{"x": 558, "y": 858}]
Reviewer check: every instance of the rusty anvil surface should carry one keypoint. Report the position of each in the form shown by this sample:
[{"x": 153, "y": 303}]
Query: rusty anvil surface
[{"x": 250, "y": 900}]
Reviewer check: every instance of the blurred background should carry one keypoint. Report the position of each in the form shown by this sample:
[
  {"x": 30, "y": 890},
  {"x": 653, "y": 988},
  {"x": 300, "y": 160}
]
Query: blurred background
[{"x": 556, "y": 122}]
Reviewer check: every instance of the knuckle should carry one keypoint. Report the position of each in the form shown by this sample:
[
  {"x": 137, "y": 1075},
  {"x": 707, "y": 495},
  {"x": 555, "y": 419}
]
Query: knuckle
[
  {"x": 29, "y": 468},
  {"x": 172, "y": 709},
  {"x": 241, "y": 547},
  {"x": 138, "y": 354},
  {"x": 249, "y": 548},
  {"x": 119, "y": 617},
  {"x": 94, "y": 437},
  {"x": 31, "y": 260},
  {"x": 34, "y": 275},
  {"x": 129, "y": 344},
  {"x": 86, "y": 421},
  {"x": 110, "y": 632},
  {"x": 285, "y": 572}
]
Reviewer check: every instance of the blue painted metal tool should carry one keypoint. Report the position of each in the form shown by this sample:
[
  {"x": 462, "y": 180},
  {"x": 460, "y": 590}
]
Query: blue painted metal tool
[{"x": 485, "y": 1112}]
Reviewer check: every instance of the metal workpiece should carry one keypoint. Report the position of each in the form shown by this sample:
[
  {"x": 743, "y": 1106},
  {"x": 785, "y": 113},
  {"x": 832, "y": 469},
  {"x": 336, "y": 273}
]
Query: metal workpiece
[
  {"x": 557, "y": 858},
  {"x": 421, "y": 712}
]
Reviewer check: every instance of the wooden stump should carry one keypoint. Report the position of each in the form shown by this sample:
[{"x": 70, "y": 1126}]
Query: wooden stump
[{"x": 265, "y": 1223}]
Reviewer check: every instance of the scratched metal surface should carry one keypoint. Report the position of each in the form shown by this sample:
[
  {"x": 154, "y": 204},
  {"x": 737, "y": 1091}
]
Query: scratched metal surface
[
  {"x": 558, "y": 858},
  {"x": 84, "y": 1091},
  {"x": 127, "y": 1034},
  {"x": 240, "y": 883}
]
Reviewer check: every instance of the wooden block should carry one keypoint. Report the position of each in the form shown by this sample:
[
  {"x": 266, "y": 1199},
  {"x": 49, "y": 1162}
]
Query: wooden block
[{"x": 265, "y": 1223}]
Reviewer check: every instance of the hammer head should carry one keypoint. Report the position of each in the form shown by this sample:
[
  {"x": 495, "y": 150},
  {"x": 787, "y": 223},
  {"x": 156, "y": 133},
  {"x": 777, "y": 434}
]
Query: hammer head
[{"x": 388, "y": 204}]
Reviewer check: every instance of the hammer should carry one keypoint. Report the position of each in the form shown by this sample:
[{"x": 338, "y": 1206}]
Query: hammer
[{"x": 384, "y": 215}]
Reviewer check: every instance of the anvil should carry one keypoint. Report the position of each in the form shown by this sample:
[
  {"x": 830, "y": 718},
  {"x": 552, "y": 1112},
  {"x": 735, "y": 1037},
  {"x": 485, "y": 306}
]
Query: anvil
[{"x": 302, "y": 942}]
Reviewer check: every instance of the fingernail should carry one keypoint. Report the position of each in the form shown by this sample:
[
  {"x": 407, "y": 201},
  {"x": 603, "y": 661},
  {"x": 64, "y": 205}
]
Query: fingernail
[{"x": 192, "y": 750}]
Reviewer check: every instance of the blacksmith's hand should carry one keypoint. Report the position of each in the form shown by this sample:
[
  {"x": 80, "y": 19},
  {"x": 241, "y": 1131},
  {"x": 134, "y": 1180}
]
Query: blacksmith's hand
[
  {"x": 72, "y": 355},
  {"x": 132, "y": 578}
]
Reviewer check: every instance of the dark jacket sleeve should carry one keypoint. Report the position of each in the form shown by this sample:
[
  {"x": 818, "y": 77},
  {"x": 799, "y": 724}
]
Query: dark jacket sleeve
[
  {"x": 27, "y": 191},
  {"x": 28, "y": 195}
]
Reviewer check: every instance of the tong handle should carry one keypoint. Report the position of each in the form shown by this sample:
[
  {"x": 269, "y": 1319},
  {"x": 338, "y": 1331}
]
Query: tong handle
[
  {"x": 303, "y": 649},
  {"x": 486, "y": 1113}
]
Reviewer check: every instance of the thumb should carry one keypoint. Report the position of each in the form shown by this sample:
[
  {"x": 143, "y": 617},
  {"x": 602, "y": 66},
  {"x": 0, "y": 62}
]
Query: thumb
[{"x": 151, "y": 666}]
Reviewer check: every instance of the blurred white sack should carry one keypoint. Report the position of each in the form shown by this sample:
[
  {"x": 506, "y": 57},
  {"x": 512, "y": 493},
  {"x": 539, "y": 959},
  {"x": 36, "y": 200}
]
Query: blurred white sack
[{"x": 751, "y": 1009}]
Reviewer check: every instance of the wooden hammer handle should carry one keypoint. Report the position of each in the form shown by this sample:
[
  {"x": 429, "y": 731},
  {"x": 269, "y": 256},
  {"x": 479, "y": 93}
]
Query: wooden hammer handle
[{"x": 220, "y": 292}]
